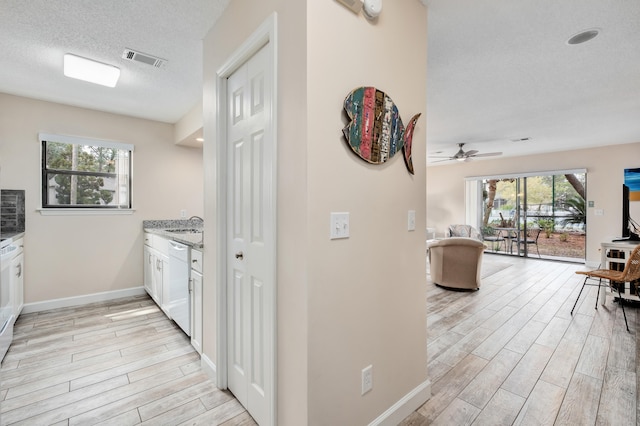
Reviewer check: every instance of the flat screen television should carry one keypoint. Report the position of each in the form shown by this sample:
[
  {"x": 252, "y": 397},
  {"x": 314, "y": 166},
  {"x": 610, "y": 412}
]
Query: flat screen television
[{"x": 627, "y": 223}]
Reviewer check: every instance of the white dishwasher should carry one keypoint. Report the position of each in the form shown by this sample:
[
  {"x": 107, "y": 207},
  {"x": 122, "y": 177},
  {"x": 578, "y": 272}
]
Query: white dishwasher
[{"x": 179, "y": 297}]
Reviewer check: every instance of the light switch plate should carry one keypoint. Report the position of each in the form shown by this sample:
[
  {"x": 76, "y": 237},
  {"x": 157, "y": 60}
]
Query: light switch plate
[
  {"x": 411, "y": 220},
  {"x": 339, "y": 224},
  {"x": 598, "y": 212}
]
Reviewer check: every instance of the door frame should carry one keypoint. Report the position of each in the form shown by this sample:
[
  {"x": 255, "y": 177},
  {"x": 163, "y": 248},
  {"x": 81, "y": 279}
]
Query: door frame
[{"x": 264, "y": 36}]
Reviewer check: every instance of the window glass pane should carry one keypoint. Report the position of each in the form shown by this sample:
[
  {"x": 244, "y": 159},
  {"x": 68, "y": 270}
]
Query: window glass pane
[
  {"x": 81, "y": 175},
  {"x": 72, "y": 157},
  {"x": 70, "y": 189},
  {"x": 540, "y": 215}
]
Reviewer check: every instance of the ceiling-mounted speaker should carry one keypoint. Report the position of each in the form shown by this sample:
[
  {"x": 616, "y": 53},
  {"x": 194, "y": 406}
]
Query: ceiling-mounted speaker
[{"x": 354, "y": 5}]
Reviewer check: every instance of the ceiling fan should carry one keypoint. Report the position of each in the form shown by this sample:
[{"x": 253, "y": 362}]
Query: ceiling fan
[{"x": 461, "y": 155}]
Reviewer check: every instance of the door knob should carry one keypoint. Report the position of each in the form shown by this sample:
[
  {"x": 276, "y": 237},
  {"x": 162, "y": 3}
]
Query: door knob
[{"x": 239, "y": 255}]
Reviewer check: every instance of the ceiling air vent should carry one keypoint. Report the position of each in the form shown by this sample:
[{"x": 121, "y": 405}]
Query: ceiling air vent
[{"x": 132, "y": 55}]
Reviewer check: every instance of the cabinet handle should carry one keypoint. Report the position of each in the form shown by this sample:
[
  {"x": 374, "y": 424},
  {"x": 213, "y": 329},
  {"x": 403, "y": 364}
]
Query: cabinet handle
[
  {"x": 239, "y": 255},
  {"x": 19, "y": 273}
]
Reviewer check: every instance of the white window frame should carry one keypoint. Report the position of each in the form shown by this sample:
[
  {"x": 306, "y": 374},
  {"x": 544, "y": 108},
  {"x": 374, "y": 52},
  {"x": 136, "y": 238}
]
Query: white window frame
[{"x": 63, "y": 210}]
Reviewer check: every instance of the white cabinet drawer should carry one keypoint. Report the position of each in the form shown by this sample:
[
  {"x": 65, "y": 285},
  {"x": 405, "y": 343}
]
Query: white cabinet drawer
[
  {"x": 161, "y": 244},
  {"x": 196, "y": 260}
]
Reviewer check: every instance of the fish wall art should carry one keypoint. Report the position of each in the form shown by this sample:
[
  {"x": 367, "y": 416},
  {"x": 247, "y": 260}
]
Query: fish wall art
[{"x": 376, "y": 132}]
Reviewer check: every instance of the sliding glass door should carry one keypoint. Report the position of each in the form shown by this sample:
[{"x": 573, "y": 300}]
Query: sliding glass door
[{"x": 539, "y": 215}]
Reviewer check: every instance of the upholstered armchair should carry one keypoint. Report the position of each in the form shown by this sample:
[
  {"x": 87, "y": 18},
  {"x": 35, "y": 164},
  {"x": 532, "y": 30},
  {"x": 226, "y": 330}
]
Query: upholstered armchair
[{"x": 455, "y": 262}]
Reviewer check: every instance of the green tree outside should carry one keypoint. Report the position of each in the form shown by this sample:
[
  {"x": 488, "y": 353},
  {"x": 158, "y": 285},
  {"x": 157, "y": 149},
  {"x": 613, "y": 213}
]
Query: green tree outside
[{"x": 81, "y": 189}]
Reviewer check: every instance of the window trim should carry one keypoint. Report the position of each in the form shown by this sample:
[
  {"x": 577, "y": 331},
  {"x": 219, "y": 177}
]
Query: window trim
[{"x": 92, "y": 209}]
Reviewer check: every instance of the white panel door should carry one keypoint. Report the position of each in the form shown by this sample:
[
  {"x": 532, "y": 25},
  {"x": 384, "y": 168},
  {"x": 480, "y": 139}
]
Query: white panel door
[{"x": 250, "y": 263}]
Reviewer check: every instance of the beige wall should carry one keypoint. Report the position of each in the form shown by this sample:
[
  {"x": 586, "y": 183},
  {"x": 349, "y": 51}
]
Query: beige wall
[
  {"x": 605, "y": 167},
  {"x": 366, "y": 294},
  {"x": 345, "y": 304},
  {"x": 67, "y": 256}
]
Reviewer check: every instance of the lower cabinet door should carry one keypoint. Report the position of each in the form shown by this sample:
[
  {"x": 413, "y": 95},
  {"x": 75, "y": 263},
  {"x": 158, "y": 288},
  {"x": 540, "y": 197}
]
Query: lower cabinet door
[{"x": 196, "y": 310}]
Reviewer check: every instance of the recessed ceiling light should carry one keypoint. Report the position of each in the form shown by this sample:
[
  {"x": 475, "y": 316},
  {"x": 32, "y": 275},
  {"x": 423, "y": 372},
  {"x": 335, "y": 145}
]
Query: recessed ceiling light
[
  {"x": 200, "y": 139},
  {"x": 91, "y": 71},
  {"x": 583, "y": 36}
]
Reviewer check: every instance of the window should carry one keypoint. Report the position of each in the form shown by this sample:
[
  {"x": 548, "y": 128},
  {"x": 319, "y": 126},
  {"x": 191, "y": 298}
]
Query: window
[
  {"x": 544, "y": 211},
  {"x": 84, "y": 173}
]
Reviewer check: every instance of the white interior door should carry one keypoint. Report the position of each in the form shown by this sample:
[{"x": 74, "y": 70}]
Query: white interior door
[{"x": 250, "y": 235}]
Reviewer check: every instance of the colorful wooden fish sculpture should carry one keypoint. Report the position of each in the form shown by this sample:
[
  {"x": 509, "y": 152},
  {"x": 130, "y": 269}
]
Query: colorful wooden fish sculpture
[{"x": 375, "y": 131}]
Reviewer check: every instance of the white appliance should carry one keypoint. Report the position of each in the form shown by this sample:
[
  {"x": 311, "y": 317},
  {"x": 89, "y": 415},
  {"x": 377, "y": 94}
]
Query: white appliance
[
  {"x": 179, "y": 297},
  {"x": 7, "y": 252}
]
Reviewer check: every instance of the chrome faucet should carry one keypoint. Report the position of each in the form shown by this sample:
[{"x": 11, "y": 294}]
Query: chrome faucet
[{"x": 196, "y": 217}]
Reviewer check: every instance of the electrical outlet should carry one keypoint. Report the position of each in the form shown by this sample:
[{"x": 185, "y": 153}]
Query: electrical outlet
[
  {"x": 183, "y": 214},
  {"x": 411, "y": 220},
  {"x": 367, "y": 379}
]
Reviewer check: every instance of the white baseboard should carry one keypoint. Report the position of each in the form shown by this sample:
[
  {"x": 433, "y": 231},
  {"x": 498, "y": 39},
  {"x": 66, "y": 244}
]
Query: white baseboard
[
  {"x": 82, "y": 300},
  {"x": 405, "y": 406},
  {"x": 208, "y": 367}
]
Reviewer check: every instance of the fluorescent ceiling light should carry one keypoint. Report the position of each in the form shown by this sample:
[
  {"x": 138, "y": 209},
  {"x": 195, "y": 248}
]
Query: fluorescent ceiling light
[{"x": 91, "y": 71}]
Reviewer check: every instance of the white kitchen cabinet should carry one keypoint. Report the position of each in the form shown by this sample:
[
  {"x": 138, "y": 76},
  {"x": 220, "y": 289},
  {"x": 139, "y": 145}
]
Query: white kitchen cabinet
[
  {"x": 156, "y": 270},
  {"x": 196, "y": 310},
  {"x": 196, "y": 299},
  {"x": 162, "y": 282},
  {"x": 148, "y": 272},
  {"x": 17, "y": 279}
]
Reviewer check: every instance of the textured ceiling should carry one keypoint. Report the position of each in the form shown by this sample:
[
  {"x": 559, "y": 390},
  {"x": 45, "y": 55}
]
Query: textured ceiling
[
  {"x": 35, "y": 34},
  {"x": 497, "y": 70},
  {"x": 501, "y": 70}
]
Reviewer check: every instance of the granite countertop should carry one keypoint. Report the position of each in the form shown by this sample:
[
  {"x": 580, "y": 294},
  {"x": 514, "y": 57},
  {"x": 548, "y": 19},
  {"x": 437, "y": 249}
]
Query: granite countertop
[{"x": 164, "y": 228}]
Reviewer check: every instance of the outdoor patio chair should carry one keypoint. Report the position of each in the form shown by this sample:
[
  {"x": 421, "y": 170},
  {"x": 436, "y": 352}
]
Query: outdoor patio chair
[
  {"x": 493, "y": 237},
  {"x": 530, "y": 240},
  {"x": 617, "y": 279}
]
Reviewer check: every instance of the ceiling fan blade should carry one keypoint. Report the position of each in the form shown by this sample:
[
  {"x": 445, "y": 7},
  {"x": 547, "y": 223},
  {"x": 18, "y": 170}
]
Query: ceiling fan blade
[
  {"x": 470, "y": 152},
  {"x": 440, "y": 161},
  {"x": 487, "y": 154}
]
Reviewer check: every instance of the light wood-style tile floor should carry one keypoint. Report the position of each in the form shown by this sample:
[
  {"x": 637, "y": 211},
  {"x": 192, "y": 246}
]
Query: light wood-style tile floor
[
  {"x": 511, "y": 353},
  {"x": 117, "y": 363}
]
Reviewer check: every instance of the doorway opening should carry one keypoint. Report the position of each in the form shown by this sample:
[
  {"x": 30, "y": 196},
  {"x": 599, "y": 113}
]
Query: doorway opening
[{"x": 538, "y": 215}]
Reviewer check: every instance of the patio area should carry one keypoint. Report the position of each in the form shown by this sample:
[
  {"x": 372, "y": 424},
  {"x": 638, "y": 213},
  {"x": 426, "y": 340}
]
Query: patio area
[{"x": 568, "y": 246}]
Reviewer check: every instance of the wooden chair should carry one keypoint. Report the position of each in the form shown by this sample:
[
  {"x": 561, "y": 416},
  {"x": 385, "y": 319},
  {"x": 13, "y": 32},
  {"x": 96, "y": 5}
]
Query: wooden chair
[{"x": 630, "y": 273}]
